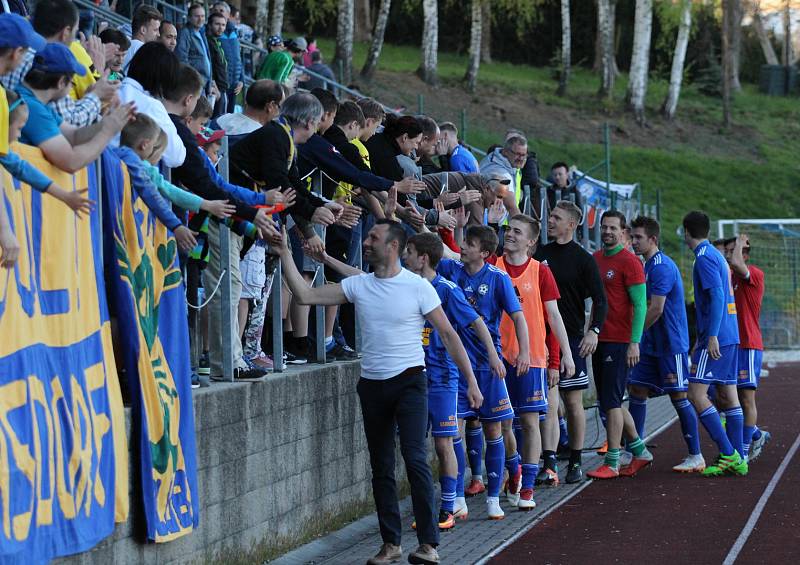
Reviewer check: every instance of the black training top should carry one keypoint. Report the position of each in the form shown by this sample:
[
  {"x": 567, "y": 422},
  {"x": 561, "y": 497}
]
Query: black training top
[{"x": 577, "y": 278}]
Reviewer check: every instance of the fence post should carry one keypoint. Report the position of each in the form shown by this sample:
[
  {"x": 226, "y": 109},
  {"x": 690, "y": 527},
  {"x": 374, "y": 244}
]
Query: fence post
[
  {"x": 607, "y": 146},
  {"x": 543, "y": 225},
  {"x": 658, "y": 205},
  {"x": 319, "y": 275},
  {"x": 277, "y": 318},
  {"x": 225, "y": 286}
]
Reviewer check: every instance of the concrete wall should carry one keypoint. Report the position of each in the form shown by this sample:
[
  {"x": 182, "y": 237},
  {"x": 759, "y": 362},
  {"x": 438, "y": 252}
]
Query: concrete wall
[{"x": 279, "y": 461}]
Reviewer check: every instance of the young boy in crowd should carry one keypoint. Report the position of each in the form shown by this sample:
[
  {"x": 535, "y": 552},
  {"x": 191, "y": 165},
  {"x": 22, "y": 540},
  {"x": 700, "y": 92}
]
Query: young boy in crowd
[{"x": 148, "y": 141}]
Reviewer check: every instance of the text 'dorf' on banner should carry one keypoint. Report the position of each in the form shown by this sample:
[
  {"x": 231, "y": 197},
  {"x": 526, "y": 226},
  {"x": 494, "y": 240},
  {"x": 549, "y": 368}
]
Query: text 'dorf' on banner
[{"x": 63, "y": 452}]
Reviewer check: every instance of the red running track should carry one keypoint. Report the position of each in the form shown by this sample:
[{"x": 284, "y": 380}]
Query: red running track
[{"x": 661, "y": 516}]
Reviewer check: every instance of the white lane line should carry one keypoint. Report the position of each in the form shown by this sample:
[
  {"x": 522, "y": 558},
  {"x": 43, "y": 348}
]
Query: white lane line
[
  {"x": 497, "y": 550},
  {"x": 762, "y": 502}
]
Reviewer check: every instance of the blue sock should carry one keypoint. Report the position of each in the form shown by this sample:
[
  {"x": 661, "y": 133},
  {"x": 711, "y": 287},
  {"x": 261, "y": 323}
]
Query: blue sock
[
  {"x": 475, "y": 450},
  {"x": 448, "y": 492},
  {"x": 756, "y": 433},
  {"x": 688, "y": 418},
  {"x": 747, "y": 438},
  {"x": 512, "y": 465},
  {"x": 329, "y": 343},
  {"x": 735, "y": 419},
  {"x": 495, "y": 456},
  {"x": 713, "y": 425},
  {"x": 518, "y": 434},
  {"x": 529, "y": 473},
  {"x": 563, "y": 438},
  {"x": 638, "y": 409},
  {"x": 458, "y": 447}
]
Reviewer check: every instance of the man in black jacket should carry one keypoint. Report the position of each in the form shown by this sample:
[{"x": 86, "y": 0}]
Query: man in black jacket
[
  {"x": 194, "y": 176},
  {"x": 578, "y": 278},
  {"x": 219, "y": 65}
]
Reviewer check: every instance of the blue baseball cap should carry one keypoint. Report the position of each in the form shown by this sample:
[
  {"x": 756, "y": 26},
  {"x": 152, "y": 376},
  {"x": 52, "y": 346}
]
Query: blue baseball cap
[
  {"x": 57, "y": 58},
  {"x": 16, "y": 31}
]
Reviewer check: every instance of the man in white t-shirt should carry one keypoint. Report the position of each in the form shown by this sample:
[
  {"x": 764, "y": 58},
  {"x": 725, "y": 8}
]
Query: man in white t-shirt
[{"x": 392, "y": 305}]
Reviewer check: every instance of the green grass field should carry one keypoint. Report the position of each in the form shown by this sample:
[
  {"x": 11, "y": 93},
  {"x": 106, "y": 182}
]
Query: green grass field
[{"x": 750, "y": 170}]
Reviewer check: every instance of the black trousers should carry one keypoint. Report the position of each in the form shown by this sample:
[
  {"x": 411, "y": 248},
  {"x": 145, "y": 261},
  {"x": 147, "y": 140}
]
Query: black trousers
[{"x": 388, "y": 406}]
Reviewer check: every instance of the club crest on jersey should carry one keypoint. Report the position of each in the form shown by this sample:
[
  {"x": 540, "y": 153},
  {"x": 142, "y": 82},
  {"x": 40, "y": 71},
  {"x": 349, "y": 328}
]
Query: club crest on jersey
[
  {"x": 610, "y": 274},
  {"x": 483, "y": 289}
]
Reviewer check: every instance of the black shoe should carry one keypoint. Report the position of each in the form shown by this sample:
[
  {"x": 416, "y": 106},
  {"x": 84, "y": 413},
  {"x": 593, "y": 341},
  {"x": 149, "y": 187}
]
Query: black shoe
[
  {"x": 195, "y": 380},
  {"x": 574, "y": 473},
  {"x": 341, "y": 352},
  {"x": 541, "y": 477},
  {"x": 292, "y": 359},
  {"x": 253, "y": 374}
]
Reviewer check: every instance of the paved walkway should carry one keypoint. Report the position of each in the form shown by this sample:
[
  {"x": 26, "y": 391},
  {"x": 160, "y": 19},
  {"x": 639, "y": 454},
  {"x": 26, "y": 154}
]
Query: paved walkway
[{"x": 473, "y": 540}]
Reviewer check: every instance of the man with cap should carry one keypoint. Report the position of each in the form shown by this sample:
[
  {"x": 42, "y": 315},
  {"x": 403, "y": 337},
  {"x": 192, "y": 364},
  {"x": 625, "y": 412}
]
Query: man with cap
[
  {"x": 16, "y": 37},
  {"x": 64, "y": 145},
  {"x": 278, "y": 64}
]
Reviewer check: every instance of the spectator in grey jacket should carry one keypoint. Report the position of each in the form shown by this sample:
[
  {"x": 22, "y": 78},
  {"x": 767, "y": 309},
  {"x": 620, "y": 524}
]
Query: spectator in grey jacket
[
  {"x": 508, "y": 159},
  {"x": 193, "y": 49}
]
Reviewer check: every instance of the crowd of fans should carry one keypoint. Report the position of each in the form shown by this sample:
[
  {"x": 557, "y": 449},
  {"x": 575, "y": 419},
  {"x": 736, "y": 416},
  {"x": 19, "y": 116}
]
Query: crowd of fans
[{"x": 304, "y": 162}]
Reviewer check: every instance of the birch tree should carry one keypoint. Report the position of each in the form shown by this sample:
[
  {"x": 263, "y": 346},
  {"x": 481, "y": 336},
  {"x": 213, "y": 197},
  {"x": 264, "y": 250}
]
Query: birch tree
[
  {"x": 486, "y": 31},
  {"x": 344, "y": 39},
  {"x": 606, "y": 31},
  {"x": 737, "y": 13},
  {"x": 368, "y": 70},
  {"x": 474, "y": 45},
  {"x": 566, "y": 49},
  {"x": 276, "y": 23},
  {"x": 763, "y": 38},
  {"x": 640, "y": 58},
  {"x": 678, "y": 60},
  {"x": 430, "y": 42},
  {"x": 727, "y": 62},
  {"x": 262, "y": 18}
]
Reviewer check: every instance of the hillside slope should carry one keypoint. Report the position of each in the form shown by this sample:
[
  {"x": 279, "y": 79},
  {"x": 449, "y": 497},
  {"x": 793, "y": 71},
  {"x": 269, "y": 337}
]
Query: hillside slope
[{"x": 750, "y": 170}]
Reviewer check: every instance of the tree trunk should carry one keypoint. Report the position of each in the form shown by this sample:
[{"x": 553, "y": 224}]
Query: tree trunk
[
  {"x": 566, "y": 49},
  {"x": 474, "y": 46},
  {"x": 430, "y": 42},
  {"x": 597, "y": 66},
  {"x": 640, "y": 58},
  {"x": 276, "y": 23},
  {"x": 363, "y": 21},
  {"x": 678, "y": 60},
  {"x": 262, "y": 19},
  {"x": 377, "y": 40},
  {"x": 486, "y": 31},
  {"x": 606, "y": 48},
  {"x": 344, "y": 39},
  {"x": 727, "y": 61},
  {"x": 737, "y": 13},
  {"x": 763, "y": 39},
  {"x": 787, "y": 54}
]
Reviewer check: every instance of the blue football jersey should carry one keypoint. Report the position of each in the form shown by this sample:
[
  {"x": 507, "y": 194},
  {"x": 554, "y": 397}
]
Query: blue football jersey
[
  {"x": 669, "y": 335},
  {"x": 712, "y": 271},
  {"x": 490, "y": 292},
  {"x": 437, "y": 360}
]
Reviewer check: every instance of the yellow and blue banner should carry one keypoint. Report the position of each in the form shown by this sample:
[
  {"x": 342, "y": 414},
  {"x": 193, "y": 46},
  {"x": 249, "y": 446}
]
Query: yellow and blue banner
[
  {"x": 147, "y": 297},
  {"x": 63, "y": 452}
]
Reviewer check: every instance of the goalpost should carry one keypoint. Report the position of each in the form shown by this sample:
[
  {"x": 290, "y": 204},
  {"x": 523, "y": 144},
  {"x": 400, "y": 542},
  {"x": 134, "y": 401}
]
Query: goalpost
[{"x": 776, "y": 250}]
